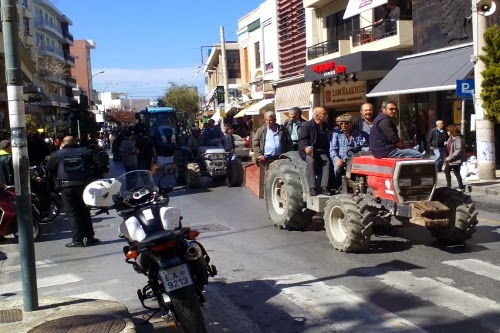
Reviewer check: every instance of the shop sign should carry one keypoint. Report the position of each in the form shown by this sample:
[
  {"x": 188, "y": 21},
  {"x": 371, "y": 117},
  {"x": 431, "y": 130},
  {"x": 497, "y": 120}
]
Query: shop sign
[
  {"x": 351, "y": 93},
  {"x": 329, "y": 68}
]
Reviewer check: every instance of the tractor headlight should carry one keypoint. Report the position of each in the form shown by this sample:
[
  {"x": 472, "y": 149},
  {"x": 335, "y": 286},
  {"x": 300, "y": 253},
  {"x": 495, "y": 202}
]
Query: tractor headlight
[
  {"x": 427, "y": 181},
  {"x": 405, "y": 182}
]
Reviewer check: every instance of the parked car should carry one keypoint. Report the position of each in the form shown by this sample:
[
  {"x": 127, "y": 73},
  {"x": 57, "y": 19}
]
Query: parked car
[{"x": 242, "y": 147}]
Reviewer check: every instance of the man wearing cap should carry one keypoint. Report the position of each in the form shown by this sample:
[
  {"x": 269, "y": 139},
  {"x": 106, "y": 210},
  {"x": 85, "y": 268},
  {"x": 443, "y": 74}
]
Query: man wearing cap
[
  {"x": 384, "y": 137},
  {"x": 6, "y": 166},
  {"x": 341, "y": 141}
]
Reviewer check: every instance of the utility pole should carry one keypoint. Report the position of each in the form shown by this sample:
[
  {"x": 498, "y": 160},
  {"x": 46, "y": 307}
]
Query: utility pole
[
  {"x": 224, "y": 69},
  {"x": 485, "y": 132},
  {"x": 17, "y": 119}
]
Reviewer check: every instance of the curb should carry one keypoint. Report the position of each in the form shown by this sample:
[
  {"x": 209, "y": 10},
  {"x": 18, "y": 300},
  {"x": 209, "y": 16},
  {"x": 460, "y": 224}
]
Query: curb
[{"x": 51, "y": 308}]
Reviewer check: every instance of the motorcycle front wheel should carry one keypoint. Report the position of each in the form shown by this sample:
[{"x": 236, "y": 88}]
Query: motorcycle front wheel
[{"x": 187, "y": 310}]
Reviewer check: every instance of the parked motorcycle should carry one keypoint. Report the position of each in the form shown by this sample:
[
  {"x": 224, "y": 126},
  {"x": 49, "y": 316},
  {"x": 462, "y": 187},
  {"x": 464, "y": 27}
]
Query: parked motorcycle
[
  {"x": 8, "y": 213},
  {"x": 168, "y": 254},
  {"x": 50, "y": 201}
]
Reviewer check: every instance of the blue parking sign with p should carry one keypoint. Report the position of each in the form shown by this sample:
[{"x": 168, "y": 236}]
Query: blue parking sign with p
[{"x": 465, "y": 88}]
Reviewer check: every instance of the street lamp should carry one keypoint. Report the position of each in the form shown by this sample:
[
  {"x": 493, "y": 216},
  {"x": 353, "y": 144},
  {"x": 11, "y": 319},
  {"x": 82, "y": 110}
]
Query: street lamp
[
  {"x": 104, "y": 104},
  {"x": 91, "y": 83}
]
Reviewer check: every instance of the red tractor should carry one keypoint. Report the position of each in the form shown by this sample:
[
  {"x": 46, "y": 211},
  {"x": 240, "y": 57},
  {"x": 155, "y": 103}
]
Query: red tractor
[{"x": 373, "y": 192}]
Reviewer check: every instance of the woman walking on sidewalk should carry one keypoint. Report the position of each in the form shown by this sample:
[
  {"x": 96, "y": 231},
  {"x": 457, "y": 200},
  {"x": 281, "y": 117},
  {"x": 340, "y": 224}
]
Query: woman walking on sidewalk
[{"x": 456, "y": 155}]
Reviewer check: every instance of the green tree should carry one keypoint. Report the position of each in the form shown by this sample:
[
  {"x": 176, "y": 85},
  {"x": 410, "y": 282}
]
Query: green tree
[
  {"x": 490, "y": 93},
  {"x": 32, "y": 124},
  {"x": 184, "y": 99}
]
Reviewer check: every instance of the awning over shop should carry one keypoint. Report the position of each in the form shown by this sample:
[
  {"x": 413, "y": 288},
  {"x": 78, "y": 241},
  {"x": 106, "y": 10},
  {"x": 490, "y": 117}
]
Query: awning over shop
[
  {"x": 436, "y": 71},
  {"x": 356, "y": 7},
  {"x": 293, "y": 95},
  {"x": 216, "y": 116},
  {"x": 254, "y": 109}
]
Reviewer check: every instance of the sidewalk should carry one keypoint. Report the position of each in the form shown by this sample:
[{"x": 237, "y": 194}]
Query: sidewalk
[
  {"x": 488, "y": 187},
  {"x": 66, "y": 315}
]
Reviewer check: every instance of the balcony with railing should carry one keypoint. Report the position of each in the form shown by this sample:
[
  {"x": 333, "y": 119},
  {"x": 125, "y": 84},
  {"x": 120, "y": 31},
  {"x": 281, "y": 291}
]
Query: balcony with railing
[
  {"x": 68, "y": 36},
  {"x": 69, "y": 58},
  {"x": 47, "y": 26},
  {"x": 51, "y": 52},
  {"x": 389, "y": 35},
  {"x": 322, "y": 49}
]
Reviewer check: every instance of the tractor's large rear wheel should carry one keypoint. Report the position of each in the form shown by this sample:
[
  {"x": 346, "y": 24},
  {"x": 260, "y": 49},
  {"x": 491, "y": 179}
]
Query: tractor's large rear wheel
[
  {"x": 463, "y": 216},
  {"x": 348, "y": 223},
  {"x": 193, "y": 175},
  {"x": 283, "y": 195}
]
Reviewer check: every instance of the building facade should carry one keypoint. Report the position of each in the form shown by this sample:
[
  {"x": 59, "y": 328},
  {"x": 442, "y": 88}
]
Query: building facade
[
  {"x": 82, "y": 71},
  {"x": 53, "y": 85},
  {"x": 257, "y": 38}
]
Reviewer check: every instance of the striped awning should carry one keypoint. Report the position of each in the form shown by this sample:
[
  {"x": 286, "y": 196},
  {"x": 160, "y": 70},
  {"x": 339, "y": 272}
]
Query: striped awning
[{"x": 293, "y": 95}]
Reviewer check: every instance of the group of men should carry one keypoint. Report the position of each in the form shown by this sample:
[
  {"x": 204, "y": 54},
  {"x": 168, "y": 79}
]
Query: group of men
[{"x": 320, "y": 146}]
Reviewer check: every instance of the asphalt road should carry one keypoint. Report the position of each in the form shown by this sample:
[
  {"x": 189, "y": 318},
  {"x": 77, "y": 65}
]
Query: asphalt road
[{"x": 273, "y": 280}]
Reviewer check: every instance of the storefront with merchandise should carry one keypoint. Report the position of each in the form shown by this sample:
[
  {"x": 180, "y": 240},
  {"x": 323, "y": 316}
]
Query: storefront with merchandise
[{"x": 340, "y": 85}]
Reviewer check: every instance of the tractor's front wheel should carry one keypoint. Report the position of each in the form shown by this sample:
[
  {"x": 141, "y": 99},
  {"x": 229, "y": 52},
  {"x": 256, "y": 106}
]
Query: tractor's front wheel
[
  {"x": 193, "y": 175},
  {"x": 463, "y": 216},
  {"x": 348, "y": 223}
]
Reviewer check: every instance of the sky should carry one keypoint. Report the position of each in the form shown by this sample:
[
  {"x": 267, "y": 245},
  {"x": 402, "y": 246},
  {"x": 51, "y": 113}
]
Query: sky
[{"x": 144, "y": 45}]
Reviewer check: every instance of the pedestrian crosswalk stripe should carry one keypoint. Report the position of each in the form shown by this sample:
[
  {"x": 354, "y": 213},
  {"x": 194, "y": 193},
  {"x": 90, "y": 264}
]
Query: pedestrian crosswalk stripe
[
  {"x": 443, "y": 295},
  {"x": 342, "y": 308},
  {"x": 39, "y": 264},
  {"x": 49, "y": 281},
  {"x": 478, "y": 267},
  {"x": 95, "y": 295}
]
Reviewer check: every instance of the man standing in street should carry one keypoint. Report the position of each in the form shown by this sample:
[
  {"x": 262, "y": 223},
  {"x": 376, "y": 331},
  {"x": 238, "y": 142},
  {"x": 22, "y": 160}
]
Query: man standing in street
[
  {"x": 384, "y": 136},
  {"x": 437, "y": 141},
  {"x": 314, "y": 146},
  {"x": 365, "y": 122},
  {"x": 293, "y": 125},
  {"x": 71, "y": 163},
  {"x": 129, "y": 152},
  {"x": 341, "y": 141},
  {"x": 270, "y": 140},
  {"x": 6, "y": 167}
]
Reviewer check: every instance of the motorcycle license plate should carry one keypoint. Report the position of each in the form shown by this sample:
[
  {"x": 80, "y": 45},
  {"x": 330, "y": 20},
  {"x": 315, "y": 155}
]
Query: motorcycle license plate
[{"x": 176, "y": 277}]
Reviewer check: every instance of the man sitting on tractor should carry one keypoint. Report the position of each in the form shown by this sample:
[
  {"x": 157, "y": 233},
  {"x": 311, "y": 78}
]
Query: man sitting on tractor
[
  {"x": 212, "y": 135},
  {"x": 314, "y": 145},
  {"x": 384, "y": 138},
  {"x": 341, "y": 141}
]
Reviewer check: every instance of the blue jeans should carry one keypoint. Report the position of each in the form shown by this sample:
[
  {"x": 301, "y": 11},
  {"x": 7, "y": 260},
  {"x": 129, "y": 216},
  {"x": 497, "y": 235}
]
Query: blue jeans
[
  {"x": 405, "y": 153},
  {"x": 439, "y": 156},
  {"x": 338, "y": 172}
]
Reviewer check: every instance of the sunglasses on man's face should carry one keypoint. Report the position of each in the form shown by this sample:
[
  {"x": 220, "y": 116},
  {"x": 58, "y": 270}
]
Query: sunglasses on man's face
[{"x": 344, "y": 123}]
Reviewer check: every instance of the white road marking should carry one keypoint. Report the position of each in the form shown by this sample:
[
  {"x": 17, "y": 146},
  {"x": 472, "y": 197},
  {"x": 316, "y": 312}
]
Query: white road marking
[
  {"x": 39, "y": 264},
  {"x": 443, "y": 296},
  {"x": 478, "y": 267},
  {"x": 95, "y": 295},
  {"x": 41, "y": 283},
  {"x": 344, "y": 310}
]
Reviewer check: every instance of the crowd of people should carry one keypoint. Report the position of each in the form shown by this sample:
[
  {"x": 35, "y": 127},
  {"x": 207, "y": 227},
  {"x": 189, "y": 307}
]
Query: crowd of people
[{"x": 325, "y": 149}]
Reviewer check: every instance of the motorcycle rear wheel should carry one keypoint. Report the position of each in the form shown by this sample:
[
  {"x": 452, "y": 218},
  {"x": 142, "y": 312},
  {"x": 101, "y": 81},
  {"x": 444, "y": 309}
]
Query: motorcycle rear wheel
[{"x": 187, "y": 310}]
